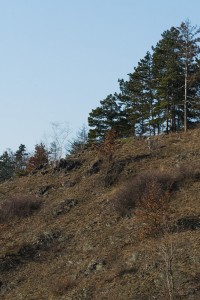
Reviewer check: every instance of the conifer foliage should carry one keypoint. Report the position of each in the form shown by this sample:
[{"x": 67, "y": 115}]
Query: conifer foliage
[
  {"x": 161, "y": 95},
  {"x": 20, "y": 160},
  {"x": 6, "y": 165},
  {"x": 108, "y": 116}
]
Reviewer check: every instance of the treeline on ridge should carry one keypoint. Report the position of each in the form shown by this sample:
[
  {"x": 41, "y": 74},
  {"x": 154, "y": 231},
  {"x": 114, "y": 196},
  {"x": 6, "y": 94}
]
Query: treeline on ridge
[{"x": 162, "y": 93}]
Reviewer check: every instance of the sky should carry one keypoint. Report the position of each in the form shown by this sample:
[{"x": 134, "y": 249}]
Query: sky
[{"x": 59, "y": 58}]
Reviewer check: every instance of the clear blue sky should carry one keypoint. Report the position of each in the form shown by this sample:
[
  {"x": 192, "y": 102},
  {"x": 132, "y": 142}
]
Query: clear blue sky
[{"x": 59, "y": 58}]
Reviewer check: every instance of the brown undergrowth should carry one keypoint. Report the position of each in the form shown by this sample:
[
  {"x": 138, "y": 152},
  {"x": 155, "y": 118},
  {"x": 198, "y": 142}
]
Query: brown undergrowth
[
  {"x": 19, "y": 206},
  {"x": 74, "y": 245}
]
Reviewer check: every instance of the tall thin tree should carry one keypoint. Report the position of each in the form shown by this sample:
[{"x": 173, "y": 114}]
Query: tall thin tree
[{"x": 190, "y": 51}]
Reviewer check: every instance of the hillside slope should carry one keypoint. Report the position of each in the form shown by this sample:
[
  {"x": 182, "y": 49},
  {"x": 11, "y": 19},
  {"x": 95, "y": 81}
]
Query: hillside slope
[{"x": 78, "y": 246}]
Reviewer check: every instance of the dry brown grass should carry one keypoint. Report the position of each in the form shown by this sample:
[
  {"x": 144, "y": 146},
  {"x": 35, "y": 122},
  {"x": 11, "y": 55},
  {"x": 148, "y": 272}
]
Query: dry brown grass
[
  {"x": 134, "y": 264},
  {"x": 19, "y": 206},
  {"x": 61, "y": 285}
]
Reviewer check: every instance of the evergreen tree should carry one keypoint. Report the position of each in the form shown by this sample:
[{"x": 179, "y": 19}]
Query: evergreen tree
[
  {"x": 162, "y": 94},
  {"x": 106, "y": 117},
  {"x": 168, "y": 80},
  {"x": 189, "y": 50},
  {"x": 137, "y": 95},
  {"x": 7, "y": 167},
  {"x": 20, "y": 160}
]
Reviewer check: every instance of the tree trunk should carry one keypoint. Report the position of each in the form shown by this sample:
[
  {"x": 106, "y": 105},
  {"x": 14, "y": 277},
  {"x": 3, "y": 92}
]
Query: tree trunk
[{"x": 185, "y": 103}]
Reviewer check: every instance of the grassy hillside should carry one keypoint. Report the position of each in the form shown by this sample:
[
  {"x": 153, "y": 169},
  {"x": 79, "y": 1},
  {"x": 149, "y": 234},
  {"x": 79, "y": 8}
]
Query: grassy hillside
[{"x": 97, "y": 227}]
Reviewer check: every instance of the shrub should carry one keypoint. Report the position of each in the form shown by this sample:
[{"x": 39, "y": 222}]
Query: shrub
[
  {"x": 19, "y": 206},
  {"x": 188, "y": 172},
  {"x": 109, "y": 144},
  {"x": 107, "y": 147},
  {"x": 146, "y": 190},
  {"x": 39, "y": 158}
]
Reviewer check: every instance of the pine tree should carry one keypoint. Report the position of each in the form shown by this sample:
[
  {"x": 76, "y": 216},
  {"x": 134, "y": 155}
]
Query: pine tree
[
  {"x": 168, "y": 80},
  {"x": 162, "y": 93},
  {"x": 137, "y": 95},
  {"x": 106, "y": 117},
  {"x": 7, "y": 166},
  {"x": 20, "y": 160},
  {"x": 189, "y": 50}
]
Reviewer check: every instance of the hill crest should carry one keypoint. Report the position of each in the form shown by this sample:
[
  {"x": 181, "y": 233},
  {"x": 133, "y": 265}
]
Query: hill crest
[{"x": 76, "y": 245}]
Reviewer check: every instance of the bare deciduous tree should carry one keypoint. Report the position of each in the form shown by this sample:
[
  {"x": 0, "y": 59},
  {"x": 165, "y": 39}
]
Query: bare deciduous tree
[{"x": 60, "y": 133}]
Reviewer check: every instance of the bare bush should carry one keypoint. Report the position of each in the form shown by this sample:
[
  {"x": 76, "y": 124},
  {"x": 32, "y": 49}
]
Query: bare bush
[
  {"x": 19, "y": 206},
  {"x": 166, "y": 249},
  {"x": 187, "y": 172},
  {"x": 153, "y": 213},
  {"x": 108, "y": 147},
  {"x": 148, "y": 195},
  {"x": 148, "y": 190}
]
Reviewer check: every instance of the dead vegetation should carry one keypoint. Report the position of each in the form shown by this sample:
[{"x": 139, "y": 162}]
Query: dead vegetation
[
  {"x": 72, "y": 244},
  {"x": 19, "y": 206},
  {"x": 147, "y": 190}
]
